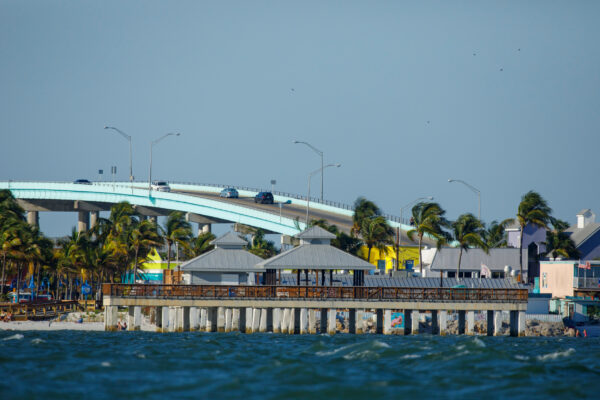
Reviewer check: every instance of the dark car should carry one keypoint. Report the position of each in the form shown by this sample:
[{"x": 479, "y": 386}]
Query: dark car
[
  {"x": 264, "y": 198},
  {"x": 82, "y": 182}
]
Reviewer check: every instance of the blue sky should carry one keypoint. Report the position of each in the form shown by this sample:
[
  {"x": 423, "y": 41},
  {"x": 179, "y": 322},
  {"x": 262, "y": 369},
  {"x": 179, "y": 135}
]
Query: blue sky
[{"x": 504, "y": 95}]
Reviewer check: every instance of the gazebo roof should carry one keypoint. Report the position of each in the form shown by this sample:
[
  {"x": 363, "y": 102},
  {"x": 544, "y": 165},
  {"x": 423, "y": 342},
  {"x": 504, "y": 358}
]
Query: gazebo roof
[
  {"x": 229, "y": 239},
  {"x": 223, "y": 260},
  {"x": 314, "y": 256},
  {"x": 315, "y": 232}
]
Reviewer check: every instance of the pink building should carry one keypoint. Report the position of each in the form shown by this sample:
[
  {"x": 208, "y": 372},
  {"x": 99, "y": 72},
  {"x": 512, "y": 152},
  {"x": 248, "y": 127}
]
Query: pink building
[{"x": 563, "y": 278}]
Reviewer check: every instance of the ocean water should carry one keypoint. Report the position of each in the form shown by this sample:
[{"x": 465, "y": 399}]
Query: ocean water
[{"x": 144, "y": 365}]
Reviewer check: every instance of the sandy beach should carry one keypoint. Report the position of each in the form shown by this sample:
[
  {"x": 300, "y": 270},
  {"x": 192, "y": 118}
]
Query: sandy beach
[{"x": 67, "y": 323}]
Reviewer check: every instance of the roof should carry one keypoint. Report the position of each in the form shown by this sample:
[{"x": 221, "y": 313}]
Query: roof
[
  {"x": 584, "y": 211},
  {"x": 447, "y": 258},
  {"x": 580, "y": 235},
  {"x": 314, "y": 256},
  {"x": 387, "y": 281},
  {"x": 223, "y": 260},
  {"x": 315, "y": 232},
  {"x": 229, "y": 239}
]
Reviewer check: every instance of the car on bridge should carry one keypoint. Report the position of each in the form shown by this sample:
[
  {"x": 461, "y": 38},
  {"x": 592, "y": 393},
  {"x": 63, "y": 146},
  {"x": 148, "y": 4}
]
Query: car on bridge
[
  {"x": 264, "y": 198},
  {"x": 229, "y": 193},
  {"x": 161, "y": 186}
]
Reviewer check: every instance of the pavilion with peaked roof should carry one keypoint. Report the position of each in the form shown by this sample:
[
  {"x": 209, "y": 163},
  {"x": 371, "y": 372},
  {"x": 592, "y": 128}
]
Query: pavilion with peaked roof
[
  {"x": 315, "y": 253},
  {"x": 227, "y": 264}
]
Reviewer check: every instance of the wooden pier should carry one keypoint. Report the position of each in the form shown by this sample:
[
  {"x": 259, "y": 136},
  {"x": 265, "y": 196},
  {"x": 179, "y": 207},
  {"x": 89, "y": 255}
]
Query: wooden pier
[
  {"x": 292, "y": 309},
  {"x": 38, "y": 310}
]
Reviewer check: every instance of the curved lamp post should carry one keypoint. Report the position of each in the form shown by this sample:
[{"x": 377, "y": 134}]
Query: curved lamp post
[
  {"x": 152, "y": 145},
  {"x": 126, "y": 136},
  {"x": 474, "y": 190},
  {"x": 320, "y": 153},
  {"x": 310, "y": 176}
]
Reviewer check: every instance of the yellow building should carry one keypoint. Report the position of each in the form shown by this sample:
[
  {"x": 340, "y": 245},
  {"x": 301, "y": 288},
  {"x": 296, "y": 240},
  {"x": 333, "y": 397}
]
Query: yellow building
[{"x": 408, "y": 255}]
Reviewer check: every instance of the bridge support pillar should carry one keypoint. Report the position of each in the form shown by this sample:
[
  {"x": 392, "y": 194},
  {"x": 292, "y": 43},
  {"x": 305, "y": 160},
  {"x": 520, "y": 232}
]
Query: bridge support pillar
[
  {"x": 498, "y": 320},
  {"x": 211, "y": 319},
  {"x": 228, "y": 319},
  {"x": 194, "y": 319},
  {"x": 277, "y": 320},
  {"x": 159, "y": 323},
  {"x": 249, "y": 318},
  {"x": 352, "y": 320},
  {"x": 435, "y": 326},
  {"x": 292, "y": 325},
  {"x": 220, "y": 319},
  {"x": 203, "y": 318},
  {"x": 134, "y": 318},
  {"x": 83, "y": 221},
  {"x": 204, "y": 228},
  {"x": 443, "y": 314},
  {"x": 360, "y": 328},
  {"x": 303, "y": 321},
  {"x": 94, "y": 215},
  {"x": 172, "y": 319},
  {"x": 323, "y": 320},
  {"x": 387, "y": 322},
  {"x": 461, "y": 322},
  {"x": 490, "y": 323},
  {"x": 331, "y": 321},
  {"x": 414, "y": 327},
  {"x": 235, "y": 320},
  {"x": 110, "y": 318},
  {"x": 285, "y": 320},
  {"x": 183, "y": 319},
  {"x": 33, "y": 218},
  {"x": 312, "y": 321},
  {"x": 296, "y": 321},
  {"x": 517, "y": 323},
  {"x": 379, "y": 323},
  {"x": 470, "y": 322},
  {"x": 165, "y": 314},
  {"x": 255, "y": 319},
  {"x": 262, "y": 328}
]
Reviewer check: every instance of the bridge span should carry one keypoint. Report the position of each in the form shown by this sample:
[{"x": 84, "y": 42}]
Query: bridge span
[{"x": 200, "y": 202}]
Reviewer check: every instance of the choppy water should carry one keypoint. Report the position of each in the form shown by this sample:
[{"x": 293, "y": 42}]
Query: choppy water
[{"x": 128, "y": 365}]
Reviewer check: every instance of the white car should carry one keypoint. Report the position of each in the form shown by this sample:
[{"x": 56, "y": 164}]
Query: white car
[{"x": 160, "y": 186}]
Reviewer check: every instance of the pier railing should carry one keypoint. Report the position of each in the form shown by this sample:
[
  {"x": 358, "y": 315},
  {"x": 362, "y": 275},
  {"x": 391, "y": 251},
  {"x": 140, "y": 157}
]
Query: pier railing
[{"x": 315, "y": 293}]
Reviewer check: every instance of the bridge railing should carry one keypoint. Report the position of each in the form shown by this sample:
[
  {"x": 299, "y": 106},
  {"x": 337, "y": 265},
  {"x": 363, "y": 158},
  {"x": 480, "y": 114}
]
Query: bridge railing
[{"x": 314, "y": 293}]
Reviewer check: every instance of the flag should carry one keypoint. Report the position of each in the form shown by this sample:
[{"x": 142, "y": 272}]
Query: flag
[{"x": 485, "y": 271}]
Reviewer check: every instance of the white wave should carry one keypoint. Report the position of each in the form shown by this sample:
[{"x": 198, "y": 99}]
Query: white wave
[
  {"x": 522, "y": 358},
  {"x": 105, "y": 364},
  {"x": 383, "y": 345},
  {"x": 410, "y": 356},
  {"x": 334, "y": 351},
  {"x": 141, "y": 355},
  {"x": 37, "y": 341},
  {"x": 460, "y": 347},
  {"x": 478, "y": 342},
  {"x": 555, "y": 355},
  {"x": 365, "y": 354},
  {"x": 18, "y": 336}
]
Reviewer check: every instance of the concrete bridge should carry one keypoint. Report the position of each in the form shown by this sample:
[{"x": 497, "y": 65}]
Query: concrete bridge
[
  {"x": 296, "y": 309},
  {"x": 200, "y": 202}
]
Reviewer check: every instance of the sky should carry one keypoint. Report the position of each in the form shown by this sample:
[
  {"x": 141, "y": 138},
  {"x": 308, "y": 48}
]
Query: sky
[{"x": 405, "y": 95}]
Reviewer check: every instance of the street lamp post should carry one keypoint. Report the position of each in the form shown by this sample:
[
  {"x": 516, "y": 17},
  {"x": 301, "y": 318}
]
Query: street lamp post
[
  {"x": 474, "y": 190},
  {"x": 126, "y": 136},
  {"x": 320, "y": 153},
  {"x": 151, "y": 145},
  {"x": 310, "y": 176}
]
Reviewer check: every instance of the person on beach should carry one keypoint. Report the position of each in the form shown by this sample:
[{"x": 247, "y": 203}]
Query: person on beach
[
  {"x": 124, "y": 326},
  {"x": 119, "y": 327}
]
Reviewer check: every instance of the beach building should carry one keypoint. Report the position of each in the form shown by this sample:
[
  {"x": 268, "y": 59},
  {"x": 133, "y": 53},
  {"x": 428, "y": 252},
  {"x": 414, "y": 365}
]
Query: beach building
[
  {"x": 585, "y": 233},
  {"x": 314, "y": 254},
  {"x": 500, "y": 262},
  {"x": 227, "y": 264},
  {"x": 384, "y": 262}
]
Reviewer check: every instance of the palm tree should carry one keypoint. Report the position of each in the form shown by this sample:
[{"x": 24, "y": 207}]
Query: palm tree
[
  {"x": 376, "y": 232},
  {"x": 363, "y": 208},
  {"x": 468, "y": 232},
  {"x": 348, "y": 243},
  {"x": 533, "y": 209},
  {"x": 262, "y": 247},
  {"x": 559, "y": 243},
  {"x": 428, "y": 220},
  {"x": 495, "y": 235},
  {"x": 144, "y": 237},
  {"x": 177, "y": 230},
  {"x": 10, "y": 241},
  {"x": 200, "y": 245}
]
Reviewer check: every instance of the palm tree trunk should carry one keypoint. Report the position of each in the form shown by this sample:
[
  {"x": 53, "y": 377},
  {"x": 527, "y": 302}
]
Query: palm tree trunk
[
  {"x": 135, "y": 264},
  {"x": 168, "y": 255},
  {"x": 420, "y": 256},
  {"x": 18, "y": 280},
  {"x": 458, "y": 266},
  {"x": 369, "y": 254}
]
